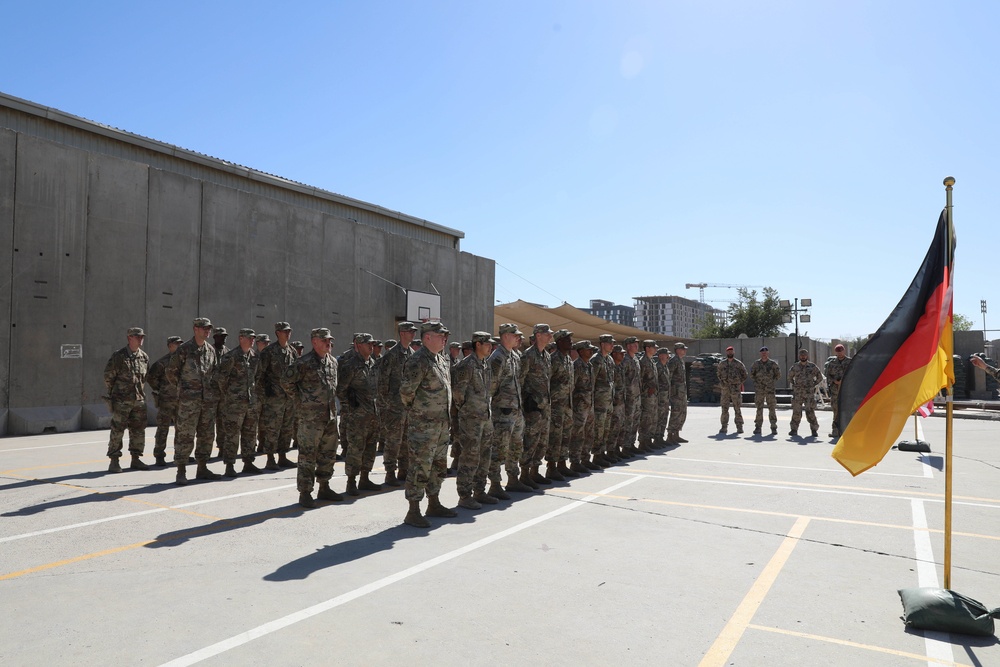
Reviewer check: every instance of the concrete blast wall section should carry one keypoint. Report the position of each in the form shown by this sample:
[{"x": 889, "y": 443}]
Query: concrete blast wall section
[{"x": 98, "y": 243}]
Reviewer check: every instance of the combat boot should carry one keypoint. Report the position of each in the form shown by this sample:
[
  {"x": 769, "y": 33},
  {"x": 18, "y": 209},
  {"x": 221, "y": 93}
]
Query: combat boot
[
  {"x": 114, "y": 466},
  {"x": 271, "y": 463},
  {"x": 484, "y": 498},
  {"x": 756, "y": 430},
  {"x": 723, "y": 430},
  {"x": 230, "y": 470},
  {"x": 566, "y": 471},
  {"x": 539, "y": 478},
  {"x": 793, "y": 432},
  {"x": 137, "y": 463},
  {"x": 579, "y": 468},
  {"x": 182, "y": 479},
  {"x": 284, "y": 462},
  {"x": 815, "y": 432},
  {"x": 600, "y": 461},
  {"x": 352, "y": 486},
  {"x": 680, "y": 440},
  {"x": 414, "y": 517},
  {"x": 553, "y": 473},
  {"x": 468, "y": 502},
  {"x": 436, "y": 509},
  {"x": 367, "y": 485},
  {"x": 739, "y": 428},
  {"x": 161, "y": 461},
  {"x": 496, "y": 490},
  {"x": 516, "y": 485},
  {"x": 390, "y": 477},
  {"x": 401, "y": 474},
  {"x": 306, "y": 500},
  {"x": 588, "y": 464},
  {"x": 525, "y": 479},
  {"x": 204, "y": 473},
  {"x": 249, "y": 468},
  {"x": 326, "y": 493}
]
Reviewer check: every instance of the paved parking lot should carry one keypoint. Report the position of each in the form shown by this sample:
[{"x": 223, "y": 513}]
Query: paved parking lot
[{"x": 724, "y": 551}]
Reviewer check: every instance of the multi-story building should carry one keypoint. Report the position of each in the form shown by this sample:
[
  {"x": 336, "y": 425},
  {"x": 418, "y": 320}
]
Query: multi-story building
[
  {"x": 672, "y": 315},
  {"x": 612, "y": 312}
]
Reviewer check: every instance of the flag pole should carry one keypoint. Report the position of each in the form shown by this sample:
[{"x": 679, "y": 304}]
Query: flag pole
[{"x": 948, "y": 183}]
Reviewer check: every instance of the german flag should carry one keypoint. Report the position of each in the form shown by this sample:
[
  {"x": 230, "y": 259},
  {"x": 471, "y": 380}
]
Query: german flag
[{"x": 904, "y": 365}]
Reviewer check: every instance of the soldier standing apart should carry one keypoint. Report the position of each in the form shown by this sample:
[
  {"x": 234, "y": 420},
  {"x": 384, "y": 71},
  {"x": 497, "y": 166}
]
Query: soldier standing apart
[
  {"x": 165, "y": 398},
  {"x": 426, "y": 394},
  {"x": 508, "y": 420},
  {"x": 191, "y": 368},
  {"x": 310, "y": 383},
  {"x": 125, "y": 379},
  {"x": 678, "y": 395},
  {"x": 604, "y": 448},
  {"x": 732, "y": 374},
  {"x": 804, "y": 377},
  {"x": 356, "y": 388},
  {"x": 633, "y": 391},
  {"x": 536, "y": 372},
  {"x": 835, "y": 369},
  {"x": 765, "y": 375},
  {"x": 471, "y": 384},
  {"x": 583, "y": 411},
  {"x": 618, "y": 403},
  {"x": 561, "y": 404},
  {"x": 647, "y": 392},
  {"x": 662, "y": 394},
  {"x": 236, "y": 420},
  {"x": 392, "y": 416},
  {"x": 277, "y": 411}
]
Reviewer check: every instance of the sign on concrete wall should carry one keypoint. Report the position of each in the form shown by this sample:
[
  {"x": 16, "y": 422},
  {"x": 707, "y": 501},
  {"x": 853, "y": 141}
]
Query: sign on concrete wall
[{"x": 71, "y": 351}]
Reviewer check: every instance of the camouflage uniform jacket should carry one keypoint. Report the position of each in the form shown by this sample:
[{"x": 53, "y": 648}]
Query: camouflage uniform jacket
[
  {"x": 662, "y": 376},
  {"x": 274, "y": 360},
  {"x": 647, "y": 375},
  {"x": 583, "y": 384},
  {"x": 425, "y": 389},
  {"x": 604, "y": 379},
  {"x": 506, "y": 369},
  {"x": 356, "y": 382},
  {"x": 765, "y": 375},
  {"x": 632, "y": 386},
  {"x": 311, "y": 382},
  {"x": 561, "y": 382},
  {"x": 804, "y": 376},
  {"x": 236, "y": 376},
  {"x": 125, "y": 375},
  {"x": 191, "y": 368},
  {"x": 731, "y": 372},
  {"x": 470, "y": 388},
  {"x": 536, "y": 372},
  {"x": 389, "y": 374},
  {"x": 619, "y": 376},
  {"x": 835, "y": 369},
  {"x": 678, "y": 376}
]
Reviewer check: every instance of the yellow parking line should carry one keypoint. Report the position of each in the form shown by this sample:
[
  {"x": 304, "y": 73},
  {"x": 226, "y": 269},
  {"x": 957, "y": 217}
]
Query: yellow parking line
[
  {"x": 730, "y": 636},
  {"x": 867, "y": 647}
]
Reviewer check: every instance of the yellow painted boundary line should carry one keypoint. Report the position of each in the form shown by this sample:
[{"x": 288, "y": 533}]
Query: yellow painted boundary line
[
  {"x": 868, "y": 647},
  {"x": 744, "y": 510},
  {"x": 722, "y": 648}
]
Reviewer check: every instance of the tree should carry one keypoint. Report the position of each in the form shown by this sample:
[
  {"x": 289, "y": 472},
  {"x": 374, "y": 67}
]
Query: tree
[
  {"x": 961, "y": 322},
  {"x": 750, "y": 315}
]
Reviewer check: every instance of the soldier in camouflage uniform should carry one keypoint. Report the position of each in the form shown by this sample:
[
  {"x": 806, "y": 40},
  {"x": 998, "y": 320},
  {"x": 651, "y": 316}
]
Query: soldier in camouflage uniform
[
  {"x": 617, "y": 431},
  {"x": 732, "y": 374},
  {"x": 277, "y": 412},
  {"x": 356, "y": 391},
  {"x": 310, "y": 382},
  {"x": 471, "y": 384},
  {"x": 392, "y": 416},
  {"x": 604, "y": 449},
  {"x": 165, "y": 398},
  {"x": 236, "y": 419},
  {"x": 647, "y": 392},
  {"x": 633, "y": 391},
  {"x": 536, "y": 372},
  {"x": 508, "y": 420},
  {"x": 803, "y": 378},
  {"x": 662, "y": 394},
  {"x": 125, "y": 379},
  {"x": 765, "y": 375},
  {"x": 260, "y": 342},
  {"x": 426, "y": 394},
  {"x": 561, "y": 402},
  {"x": 191, "y": 369},
  {"x": 678, "y": 395},
  {"x": 835, "y": 369},
  {"x": 583, "y": 409}
]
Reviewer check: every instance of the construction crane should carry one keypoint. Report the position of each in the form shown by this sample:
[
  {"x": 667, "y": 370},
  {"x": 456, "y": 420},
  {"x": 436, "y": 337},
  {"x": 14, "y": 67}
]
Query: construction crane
[{"x": 701, "y": 288}]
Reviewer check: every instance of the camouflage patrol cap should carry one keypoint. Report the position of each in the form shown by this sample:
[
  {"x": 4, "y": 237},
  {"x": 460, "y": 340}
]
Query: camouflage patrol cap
[
  {"x": 562, "y": 333},
  {"x": 680, "y": 346},
  {"x": 617, "y": 348},
  {"x": 136, "y": 331},
  {"x": 174, "y": 339},
  {"x": 509, "y": 328},
  {"x": 482, "y": 337},
  {"x": 406, "y": 326},
  {"x": 377, "y": 342},
  {"x": 764, "y": 349},
  {"x": 606, "y": 338},
  {"x": 364, "y": 338},
  {"x": 584, "y": 345},
  {"x": 263, "y": 338},
  {"x": 467, "y": 345},
  {"x": 630, "y": 340},
  {"x": 320, "y": 332},
  {"x": 282, "y": 326},
  {"x": 297, "y": 344},
  {"x": 550, "y": 346},
  {"x": 202, "y": 322},
  {"x": 433, "y": 327},
  {"x": 541, "y": 328},
  {"x": 247, "y": 333},
  {"x": 391, "y": 343},
  {"x": 663, "y": 350},
  {"x": 417, "y": 343},
  {"x": 454, "y": 344},
  {"x": 220, "y": 331},
  {"x": 648, "y": 343},
  {"x": 803, "y": 351}
]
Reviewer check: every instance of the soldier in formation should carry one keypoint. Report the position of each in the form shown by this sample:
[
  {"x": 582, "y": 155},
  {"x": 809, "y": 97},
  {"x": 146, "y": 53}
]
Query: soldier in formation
[
  {"x": 732, "y": 374},
  {"x": 236, "y": 422},
  {"x": 356, "y": 389},
  {"x": 648, "y": 388},
  {"x": 834, "y": 371},
  {"x": 125, "y": 379},
  {"x": 165, "y": 400},
  {"x": 765, "y": 374},
  {"x": 678, "y": 395},
  {"x": 191, "y": 368},
  {"x": 803, "y": 377},
  {"x": 471, "y": 384}
]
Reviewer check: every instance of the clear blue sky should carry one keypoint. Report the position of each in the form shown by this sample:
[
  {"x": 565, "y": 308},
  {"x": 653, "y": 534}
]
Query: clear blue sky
[{"x": 597, "y": 149}]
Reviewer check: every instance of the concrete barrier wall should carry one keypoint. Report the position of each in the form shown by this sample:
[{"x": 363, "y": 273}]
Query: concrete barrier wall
[{"x": 100, "y": 243}]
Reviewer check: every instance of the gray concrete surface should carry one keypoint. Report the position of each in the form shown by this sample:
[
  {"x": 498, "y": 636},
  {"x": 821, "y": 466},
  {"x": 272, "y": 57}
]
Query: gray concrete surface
[{"x": 682, "y": 558}]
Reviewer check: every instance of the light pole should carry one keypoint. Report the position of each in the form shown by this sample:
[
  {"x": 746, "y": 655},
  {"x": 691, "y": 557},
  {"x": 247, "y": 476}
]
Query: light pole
[
  {"x": 982, "y": 307},
  {"x": 798, "y": 312}
]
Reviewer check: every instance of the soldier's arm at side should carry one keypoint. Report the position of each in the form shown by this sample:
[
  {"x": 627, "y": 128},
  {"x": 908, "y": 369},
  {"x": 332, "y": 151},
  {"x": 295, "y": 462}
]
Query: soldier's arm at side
[{"x": 413, "y": 374}]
